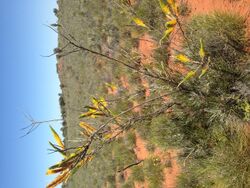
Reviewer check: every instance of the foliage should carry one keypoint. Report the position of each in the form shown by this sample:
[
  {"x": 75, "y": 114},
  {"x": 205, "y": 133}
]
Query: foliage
[
  {"x": 227, "y": 166},
  {"x": 161, "y": 132},
  {"x": 153, "y": 171},
  {"x": 138, "y": 174},
  {"x": 197, "y": 114},
  {"x": 216, "y": 128}
]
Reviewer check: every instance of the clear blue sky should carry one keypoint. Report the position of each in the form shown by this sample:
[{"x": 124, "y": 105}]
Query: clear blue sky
[{"x": 29, "y": 83}]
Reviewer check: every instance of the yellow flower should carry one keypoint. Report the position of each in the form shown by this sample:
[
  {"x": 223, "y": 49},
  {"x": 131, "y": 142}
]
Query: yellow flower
[
  {"x": 182, "y": 58},
  {"x": 139, "y": 22}
]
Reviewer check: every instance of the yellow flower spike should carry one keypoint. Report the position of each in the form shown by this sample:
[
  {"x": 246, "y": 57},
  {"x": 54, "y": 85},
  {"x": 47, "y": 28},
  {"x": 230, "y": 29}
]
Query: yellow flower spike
[
  {"x": 95, "y": 102},
  {"x": 187, "y": 77},
  {"x": 97, "y": 109},
  {"x": 164, "y": 8},
  {"x": 171, "y": 23},
  {"x": 88, "y": 128},
  {"x": 107, "y": 136},
  {"x": 173, "y": 5},
  {"x": 59, "y": 179},
  {"x": 139, "y": 22},
  {"x": 57, "y": 138},
  {"x": 166, "y": 34},
  {"x": 99, "y": 103},
  {"x": 54, "y": 171},
  {"x": 103, "y": 102},
  {"x": 205, "y": 67},
  {"x": 203, "y": 71},
  {"x": 202, "y": 51},
  {"x": 91, "y": 113},
  {"x": 182, "y": 58}
]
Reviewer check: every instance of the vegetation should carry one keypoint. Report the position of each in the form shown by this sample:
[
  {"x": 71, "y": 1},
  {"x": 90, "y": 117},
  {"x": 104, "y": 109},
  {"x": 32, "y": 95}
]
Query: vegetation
[
  {"x": 161, "y": 133},
  {"x": 199, "y": 104},
  {"x": 218, "y": 127},
  {"x": 153, "y": 169}
]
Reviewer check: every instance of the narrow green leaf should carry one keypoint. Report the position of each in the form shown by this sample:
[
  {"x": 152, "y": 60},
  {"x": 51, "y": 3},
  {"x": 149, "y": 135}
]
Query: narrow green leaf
[
  {"x": 182, "y": 58},
  {"x": 164, "y": 8},
  {"x": 187, "y": 77},
  {"x": 139, "y": 22},
  {"x": 167, "y": 33},
  {"x": 202, "y": 51},
  {"x": 57, "y": 138}
]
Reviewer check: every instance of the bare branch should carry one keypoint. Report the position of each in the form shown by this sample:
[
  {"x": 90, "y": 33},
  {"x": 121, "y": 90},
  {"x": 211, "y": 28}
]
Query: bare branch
[
  {"x": 34, "y": 124},
  {"x": 131, "y": 165}
]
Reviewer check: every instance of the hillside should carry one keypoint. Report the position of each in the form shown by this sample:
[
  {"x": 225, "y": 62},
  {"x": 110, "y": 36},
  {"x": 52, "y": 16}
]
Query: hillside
[{"x": 173, "y": 141}]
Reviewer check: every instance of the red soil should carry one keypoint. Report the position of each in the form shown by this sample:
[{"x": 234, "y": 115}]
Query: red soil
[
  {"x": 124, "y": 82},
  {"x": 171, "y": 173},
  {"x": 167, "y": 157},
  {"x": 140, "y": 149},
  {"x": 59, "y": 67},
  {"x": 146, "y": 46}
]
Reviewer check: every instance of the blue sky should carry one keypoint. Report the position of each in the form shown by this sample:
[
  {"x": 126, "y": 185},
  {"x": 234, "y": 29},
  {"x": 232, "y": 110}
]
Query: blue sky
[{"x": 29, "y": 83}]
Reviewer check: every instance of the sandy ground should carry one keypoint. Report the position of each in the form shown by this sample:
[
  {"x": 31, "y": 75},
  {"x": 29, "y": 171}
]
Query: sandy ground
[{"x": 167, "y": 157}]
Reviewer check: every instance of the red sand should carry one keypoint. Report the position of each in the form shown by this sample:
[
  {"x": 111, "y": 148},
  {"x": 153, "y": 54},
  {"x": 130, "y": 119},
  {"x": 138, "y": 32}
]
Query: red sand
[{"x": 169, "y": 156}]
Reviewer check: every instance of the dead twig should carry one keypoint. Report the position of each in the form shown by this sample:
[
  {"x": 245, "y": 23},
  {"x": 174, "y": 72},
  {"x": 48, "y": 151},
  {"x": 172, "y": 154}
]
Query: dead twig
[{"x": 131, "y": 165}]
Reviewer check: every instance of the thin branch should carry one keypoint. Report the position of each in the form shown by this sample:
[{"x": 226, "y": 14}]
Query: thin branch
[
  {"x": 184, "y": 162},
  {"x": 131, "y": 165},
  {"x": 129, "y": 110},
  {"x": 107, "y": 57},
  {"x": 35, "y": 124},
  {"x": 184, "y": 35}
]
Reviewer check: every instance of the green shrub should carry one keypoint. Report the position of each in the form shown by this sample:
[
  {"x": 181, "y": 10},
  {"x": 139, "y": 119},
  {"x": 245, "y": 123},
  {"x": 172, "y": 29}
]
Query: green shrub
[
  {"x": 128, "y": 184},
  {"x": 163, "y": 133},
  {"x": 150, "y": 147},
  {"x": 153, "y": 171},
  {"x": 214, "y": 96},
  {"x": 130, "y": 139},
  {"x": 211, "y": 118},
  {"x": 160, "y": 132},
  {"x": 122, "y": 155},
  {"x": 138, "y": 174},
  {"x": 229, "y": 164},
  {"x": 224, "y": 35}
]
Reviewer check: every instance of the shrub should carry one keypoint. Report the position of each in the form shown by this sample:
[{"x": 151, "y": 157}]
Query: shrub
[
  {"x": 213, "y": 121},
  {"x": 138, "y": 174},
  {"x": 153, "y": 171}
]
